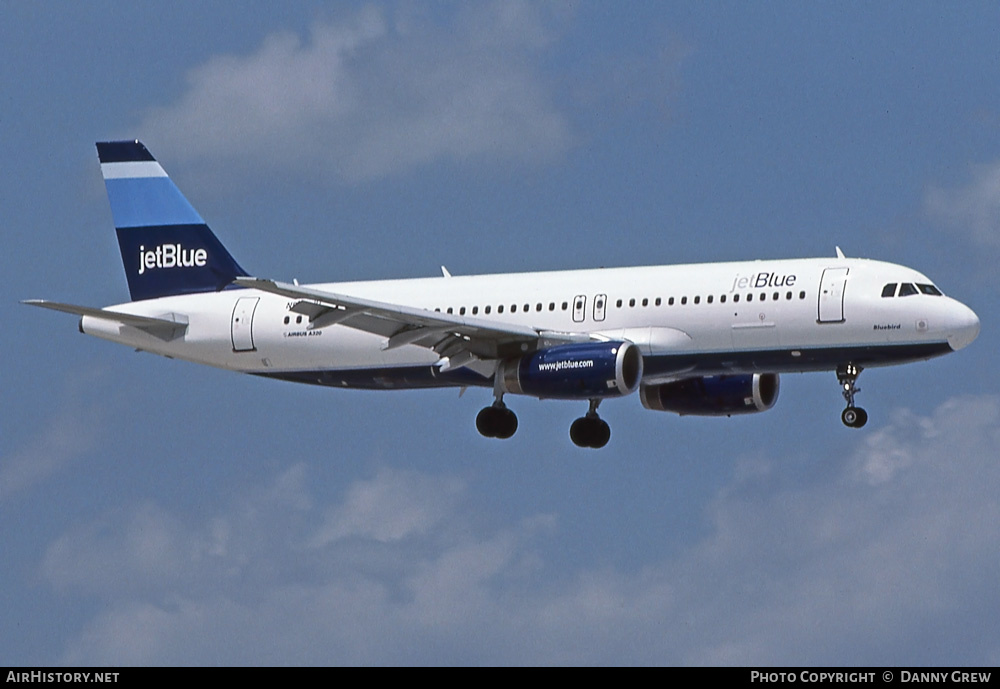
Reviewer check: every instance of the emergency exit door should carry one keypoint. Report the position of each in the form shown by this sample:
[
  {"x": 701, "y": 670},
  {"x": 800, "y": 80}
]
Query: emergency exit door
[{"x": 579, "y": 308}]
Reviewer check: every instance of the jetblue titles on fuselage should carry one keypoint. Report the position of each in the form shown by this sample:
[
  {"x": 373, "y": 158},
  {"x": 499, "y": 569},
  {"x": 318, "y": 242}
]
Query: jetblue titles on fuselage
[{"x": 761, "y": 280}]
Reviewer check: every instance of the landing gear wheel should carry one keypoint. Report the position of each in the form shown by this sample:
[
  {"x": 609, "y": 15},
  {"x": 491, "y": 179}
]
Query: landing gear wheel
[
  {"x": 590, "y": 430},
  {"x": 496, "y": 421},
  {"x": 847, "y": 376},
  {"x": 601, "y": 434},
  {"x": 508, "y": 424},
  {"x": 854, "y": 417}
]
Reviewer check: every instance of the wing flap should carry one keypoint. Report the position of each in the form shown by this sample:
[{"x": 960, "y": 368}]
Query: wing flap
[
  {"x": 394, "y": 312},
  {"x": 412, "y": 335},
  {"x": 402, "y": 325}
]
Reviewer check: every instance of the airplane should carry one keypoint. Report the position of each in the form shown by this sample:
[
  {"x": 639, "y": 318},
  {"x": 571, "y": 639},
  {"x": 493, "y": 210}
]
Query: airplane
[{"x": 705, "y": 339}]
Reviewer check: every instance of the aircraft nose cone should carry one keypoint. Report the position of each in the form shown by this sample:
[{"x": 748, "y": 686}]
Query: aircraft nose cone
[{"x": 964, "y": 327}]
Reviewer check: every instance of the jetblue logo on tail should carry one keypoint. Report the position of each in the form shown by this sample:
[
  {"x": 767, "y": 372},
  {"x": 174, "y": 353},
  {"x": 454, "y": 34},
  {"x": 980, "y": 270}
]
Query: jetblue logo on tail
[
  {"x": 171, "y": 256},
  {"x": 159, "y": 230},
  {"x": 174, "y": 259}
]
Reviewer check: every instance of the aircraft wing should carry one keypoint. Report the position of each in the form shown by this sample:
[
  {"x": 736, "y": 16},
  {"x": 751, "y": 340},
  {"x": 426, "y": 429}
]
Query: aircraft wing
[
  {"x": 458, "y": 340},
  {"x": 163, "y": 328}
]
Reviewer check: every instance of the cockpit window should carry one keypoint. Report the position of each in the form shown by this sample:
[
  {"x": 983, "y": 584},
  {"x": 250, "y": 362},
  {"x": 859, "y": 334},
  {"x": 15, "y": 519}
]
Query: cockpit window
[
  {"x": 930, "y": 289},
  {"x": 889, "y": 290},
  {"x": 906, "y": 289}
]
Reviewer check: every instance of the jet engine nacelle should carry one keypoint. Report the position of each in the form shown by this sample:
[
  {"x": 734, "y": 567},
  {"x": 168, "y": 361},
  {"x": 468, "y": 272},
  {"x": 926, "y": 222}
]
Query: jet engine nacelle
[
  {"x": 714, "y": 395},
  {"x": 587, "y": 370}
]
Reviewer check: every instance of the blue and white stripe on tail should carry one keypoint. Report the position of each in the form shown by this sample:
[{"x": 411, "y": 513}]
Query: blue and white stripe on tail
[{"x": 166, "y": 246}]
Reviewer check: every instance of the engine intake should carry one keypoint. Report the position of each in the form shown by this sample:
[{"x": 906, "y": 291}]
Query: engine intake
[
  {"x": 588, "y": 370},
  {"x": 713, "y": 395}
]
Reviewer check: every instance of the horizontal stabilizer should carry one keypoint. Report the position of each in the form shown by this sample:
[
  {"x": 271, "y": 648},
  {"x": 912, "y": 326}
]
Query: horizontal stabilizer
[{"x": 162, "y": 328}]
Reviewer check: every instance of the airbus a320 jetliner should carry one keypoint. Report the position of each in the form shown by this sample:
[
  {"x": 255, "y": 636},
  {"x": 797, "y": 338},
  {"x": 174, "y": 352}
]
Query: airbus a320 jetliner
[{"x": 705, "y": 339}]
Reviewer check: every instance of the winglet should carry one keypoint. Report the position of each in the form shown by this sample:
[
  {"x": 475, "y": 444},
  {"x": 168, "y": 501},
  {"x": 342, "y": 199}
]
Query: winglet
[{"x": 840, "y": 254}]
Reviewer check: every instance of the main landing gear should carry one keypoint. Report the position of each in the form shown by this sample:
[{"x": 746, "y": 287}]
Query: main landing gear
[
  {"x": 496, "y": 421},
  {"x": 590, "y": 430},
  {"x": 847, "y": 376}
]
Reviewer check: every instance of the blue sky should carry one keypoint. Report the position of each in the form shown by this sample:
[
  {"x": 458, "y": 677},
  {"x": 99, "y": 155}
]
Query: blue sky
[{"x": 157, "y": 512}]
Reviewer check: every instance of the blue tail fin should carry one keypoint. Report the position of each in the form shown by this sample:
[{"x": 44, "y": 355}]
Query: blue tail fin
[{"x": 166, "y": 247}]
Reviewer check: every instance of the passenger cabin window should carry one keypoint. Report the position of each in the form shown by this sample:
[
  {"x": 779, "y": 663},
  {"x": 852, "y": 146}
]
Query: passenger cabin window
[
  {"x": 907, "y": 289},
  {"x": 889, "y": 290}
]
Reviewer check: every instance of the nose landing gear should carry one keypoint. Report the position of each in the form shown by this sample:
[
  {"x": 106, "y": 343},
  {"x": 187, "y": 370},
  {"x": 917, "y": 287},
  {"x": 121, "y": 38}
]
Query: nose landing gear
[{"x": 847, "y": 376}]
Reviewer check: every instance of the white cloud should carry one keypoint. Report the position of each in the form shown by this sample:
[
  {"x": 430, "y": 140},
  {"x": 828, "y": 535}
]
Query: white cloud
[
  {"x": 372, "y": 95},
  {"x": 973, "y": 209},
  {"x": 861, "y": 568},
  {"x": 887, "y": 557},
  {"x": 65, "y": 438},
  {"x": 390, "y": 507}
]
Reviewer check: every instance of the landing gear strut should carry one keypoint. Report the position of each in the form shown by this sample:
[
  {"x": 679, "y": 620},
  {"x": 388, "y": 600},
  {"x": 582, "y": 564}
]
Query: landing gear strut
[
  {"x": 496, "y": 420},
  {"x": 847, "y": 376},
  {"x": 590, "y": 430}
]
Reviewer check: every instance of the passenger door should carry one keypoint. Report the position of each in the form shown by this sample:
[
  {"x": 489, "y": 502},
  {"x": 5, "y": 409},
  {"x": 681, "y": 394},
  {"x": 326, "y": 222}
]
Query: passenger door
[
  {"x": 242, "y": 325},
  {"x": 832, "y": 286}
]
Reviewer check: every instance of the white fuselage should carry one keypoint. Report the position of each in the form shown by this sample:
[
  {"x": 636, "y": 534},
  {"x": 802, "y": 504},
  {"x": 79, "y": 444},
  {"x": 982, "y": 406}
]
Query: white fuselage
[{"x": 699, "y": 319}]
